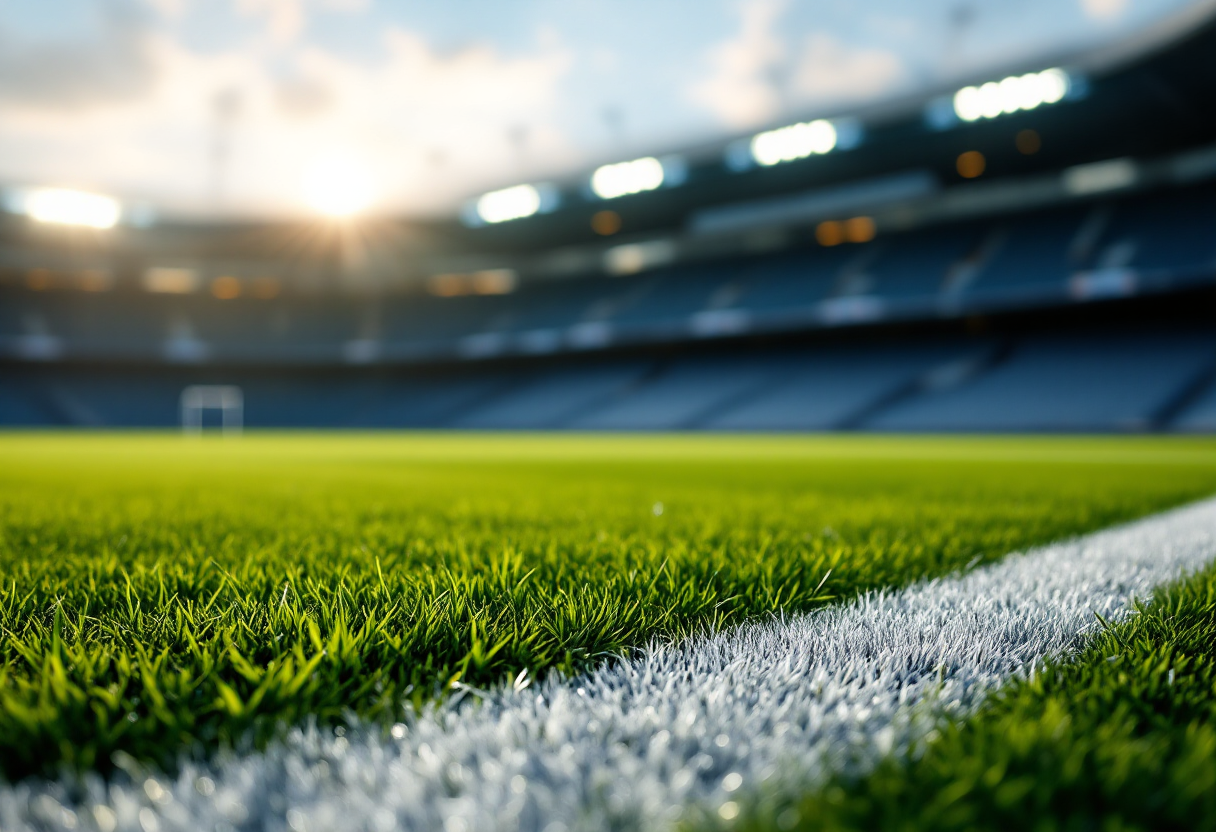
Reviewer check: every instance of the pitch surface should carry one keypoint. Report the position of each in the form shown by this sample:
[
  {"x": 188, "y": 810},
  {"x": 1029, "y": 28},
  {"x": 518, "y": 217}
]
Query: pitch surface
[{"x": 168, "y": 598}]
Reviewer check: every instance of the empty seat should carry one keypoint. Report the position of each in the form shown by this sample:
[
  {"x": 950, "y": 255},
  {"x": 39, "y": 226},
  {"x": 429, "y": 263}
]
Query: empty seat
[
  {"x": 20, "y": 404},
  {"x": 1078, "y": 381},
  {"x": 11, "y": 318},
  {"x": 830, "y": 388},
  {"x": 1200, "y": 416},
  {"x": 293, "y": 328},
  {"x": 558, "y": 304},
  {"x": 552, "y": 398},
  {"x": 123, "y": 397},
  {"x": 675, "y": 294},
  {"x": 420, "y": 319},
  {"x": 1170, "y": 231},
  {"x": 404, "y": 401},
  {"x": 1033, "y": 260},
  {"x": 687, "y": 394},
  {"x": 799, "y": 279},
  {"x": 103, "y": 324},
  {"x": 917, "y": 264}
]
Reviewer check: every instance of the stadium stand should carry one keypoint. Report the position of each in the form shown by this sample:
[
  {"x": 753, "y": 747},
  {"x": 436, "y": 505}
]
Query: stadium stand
[
  {"x": 1075, "y": 381},
  {"x": 1201, "y": 416},
  {"x": 1068, "y": 291},
  {"x": 1108, "y": 380},
  {"x": 556, "y": 399},
  {"x": 1158, "y": 242},
  {"x": 841, "y": 388}
]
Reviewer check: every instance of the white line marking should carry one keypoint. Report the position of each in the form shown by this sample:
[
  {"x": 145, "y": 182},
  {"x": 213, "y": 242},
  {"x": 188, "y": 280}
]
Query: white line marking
[{"x": 774, "y": 704}]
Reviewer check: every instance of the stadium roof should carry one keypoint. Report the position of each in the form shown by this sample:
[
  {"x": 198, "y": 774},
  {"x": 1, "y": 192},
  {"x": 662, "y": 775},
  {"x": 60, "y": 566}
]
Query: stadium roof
[{"x": 225, "y": 110}]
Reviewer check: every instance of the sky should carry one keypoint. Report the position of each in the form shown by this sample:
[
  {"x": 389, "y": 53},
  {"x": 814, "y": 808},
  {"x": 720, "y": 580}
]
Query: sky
[{"x": 232, "y": 107}]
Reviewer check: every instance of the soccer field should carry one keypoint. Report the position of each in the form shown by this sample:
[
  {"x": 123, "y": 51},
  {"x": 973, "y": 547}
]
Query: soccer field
[{"x": 170, "y": 602}]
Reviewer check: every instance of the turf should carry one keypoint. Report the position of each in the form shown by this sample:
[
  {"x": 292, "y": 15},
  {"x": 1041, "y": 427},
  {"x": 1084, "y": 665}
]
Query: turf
[
  {"x": 162, "y": 596},
  {"x": 1122, "y": 738}
]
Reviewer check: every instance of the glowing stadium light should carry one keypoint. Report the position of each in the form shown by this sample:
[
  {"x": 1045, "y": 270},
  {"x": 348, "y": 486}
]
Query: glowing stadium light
[
  {"x": 1012, "y": 94},
  {"x": 623, "y": 178},
  {"x": 513, "y": 203},
  {"x": 484, "y": 282},
  {"x": 798, "y": 141},
  {"x": 338, "y": 187},
  {"x": 171, "y": 280},
  {"x": 66, "y": 207}
]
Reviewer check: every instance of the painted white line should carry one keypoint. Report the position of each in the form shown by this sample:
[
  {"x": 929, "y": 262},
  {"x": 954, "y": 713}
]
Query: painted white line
[{"x": 774, "y": 704}]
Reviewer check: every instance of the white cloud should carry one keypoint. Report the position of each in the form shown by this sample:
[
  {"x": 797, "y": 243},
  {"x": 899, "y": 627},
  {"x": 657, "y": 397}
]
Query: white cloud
[
  {"x": 171, "y": 9},
  {"x": 1104, "y": 10},
  {"x": 303, "y": 96},
  {"x": 433, "y": 125},
  {"x": 828, "y": 70},
  {"x": 119, "y": 98},
  {"x": 755, "y": 75},
  {"x": 284, "y": 19},
  {"x": 114, "y": 65},
  {"x": 419, "y": 105},
  {"x": 346, "y": 5},
  {"x": 740, "y": 88}
]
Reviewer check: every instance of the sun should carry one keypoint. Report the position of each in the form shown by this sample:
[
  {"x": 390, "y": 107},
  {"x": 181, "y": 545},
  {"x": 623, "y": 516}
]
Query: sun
[{"x": 338, "y": 186}]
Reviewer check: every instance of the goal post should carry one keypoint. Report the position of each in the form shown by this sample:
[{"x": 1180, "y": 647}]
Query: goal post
[{"x": 227, "y": 399}]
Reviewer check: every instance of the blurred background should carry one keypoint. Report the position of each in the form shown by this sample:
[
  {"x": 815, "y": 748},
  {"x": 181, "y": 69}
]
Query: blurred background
[{"x": 751, "y": 215}]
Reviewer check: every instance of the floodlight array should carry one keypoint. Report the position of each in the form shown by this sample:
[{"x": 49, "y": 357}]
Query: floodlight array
[
  {"x": 1012, "y": 94},
  {"x": 62, "y": 206},
  {"x": 624, "y": 178},
  {"x": 797, "y": 141},
  {"x": 512, "y": 203}
]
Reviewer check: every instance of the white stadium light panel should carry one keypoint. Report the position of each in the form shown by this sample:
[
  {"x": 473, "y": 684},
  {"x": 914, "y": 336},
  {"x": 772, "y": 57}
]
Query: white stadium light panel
[
  {"x": 797, "y": 141},
  {"x": 1013, "y": 94},
  {"x": 624, "y": 178},
  {"x": 513, "y": 203},
  {"x": 62, "y": 206}
]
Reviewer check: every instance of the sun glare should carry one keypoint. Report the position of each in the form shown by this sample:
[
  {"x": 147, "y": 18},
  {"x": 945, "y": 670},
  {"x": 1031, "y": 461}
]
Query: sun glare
[{"x": 338, "y": 187}]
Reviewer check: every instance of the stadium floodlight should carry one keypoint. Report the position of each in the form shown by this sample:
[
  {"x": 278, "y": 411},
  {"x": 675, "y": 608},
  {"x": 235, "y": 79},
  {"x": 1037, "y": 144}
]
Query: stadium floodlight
[
  {"x": 797, "y": 141},
  {"x": 1012, "y": 94},
  {"x": 624, "y": 178},
  {"x": 794, "y": 142},
  {"x": 512, "y": 203},
  {"x": 62, "y": 206},
  {"x": 515, "y": 203}
]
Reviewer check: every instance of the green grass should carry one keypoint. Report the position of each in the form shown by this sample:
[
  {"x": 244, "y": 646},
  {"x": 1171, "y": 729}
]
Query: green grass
[
  {"x": 161, "y": 596},
  {"x": 1122, "y": 738}
]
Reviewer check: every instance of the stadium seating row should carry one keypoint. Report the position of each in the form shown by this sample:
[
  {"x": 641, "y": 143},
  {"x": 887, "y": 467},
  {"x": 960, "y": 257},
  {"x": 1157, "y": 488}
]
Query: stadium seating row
[
  {"x": 1078, "y": 253},
  {"x": 1108, "y": 378}
]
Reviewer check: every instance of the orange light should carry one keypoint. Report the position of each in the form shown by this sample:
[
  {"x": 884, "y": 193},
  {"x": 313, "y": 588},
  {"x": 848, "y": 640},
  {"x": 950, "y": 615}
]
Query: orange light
[
  {"x": 829, "y": 233},
  {"x": 859, "y": 230},
  {"x": 265, "y": 288},
  {"x": 39, "y": 279},
  {"x": 94, "y": 280},
  {"x": 493, "y": 281},
  {"x": 448, "y": 285},
  {"x": 1028, "y": 142},
  {"x": 606, "y": 223},
  {"x": 226, "y": 287},
  {"x": 970, "y": 164}
]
